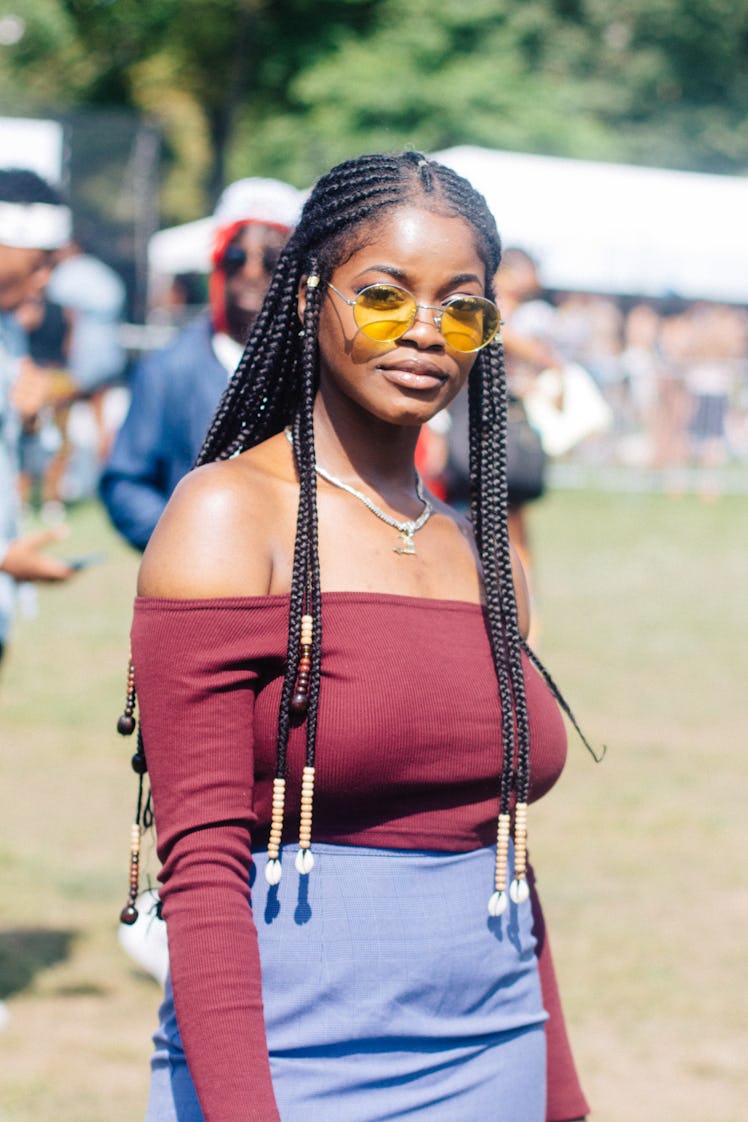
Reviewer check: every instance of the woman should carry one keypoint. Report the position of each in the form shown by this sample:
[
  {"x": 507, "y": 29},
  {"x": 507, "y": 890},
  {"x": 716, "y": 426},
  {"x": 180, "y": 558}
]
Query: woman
[{"x": 324, "y": 652}]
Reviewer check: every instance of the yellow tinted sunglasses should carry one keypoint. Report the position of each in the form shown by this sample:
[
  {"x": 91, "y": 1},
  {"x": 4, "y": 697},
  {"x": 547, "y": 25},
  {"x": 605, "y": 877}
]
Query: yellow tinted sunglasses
[{"x": 385, "y": 312}]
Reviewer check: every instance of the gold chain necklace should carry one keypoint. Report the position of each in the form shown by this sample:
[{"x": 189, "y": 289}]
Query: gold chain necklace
[{"x": 406, "y": 529}]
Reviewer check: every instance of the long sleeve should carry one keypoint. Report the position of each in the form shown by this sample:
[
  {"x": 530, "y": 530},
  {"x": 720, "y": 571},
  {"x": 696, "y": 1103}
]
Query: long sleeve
[
  {"x": 134, "y": 486},
  {"x": 196, "y": 696},
  {"x": 174, "y": 394}
]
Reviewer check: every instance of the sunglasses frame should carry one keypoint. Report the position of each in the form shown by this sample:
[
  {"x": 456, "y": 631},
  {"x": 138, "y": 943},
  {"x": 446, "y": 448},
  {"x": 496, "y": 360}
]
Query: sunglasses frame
[
  {"x": 235, "y": 258},
  {"x": 437, "y": 309}
]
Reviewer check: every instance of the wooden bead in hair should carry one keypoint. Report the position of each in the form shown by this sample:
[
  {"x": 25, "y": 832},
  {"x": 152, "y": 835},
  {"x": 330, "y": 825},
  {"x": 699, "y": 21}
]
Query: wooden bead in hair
[
  {"x": 497, "y": 904},
  {"x": 305, "y": 858},
  {"x": 273, "y": 869},
  {"x": 300, "y": 699},
  {"x": 129, "y": 913},
  {"x": 126, "y": 722},
  {"x": 126, "y": 725},
  {"x": 519, "y": 889}
]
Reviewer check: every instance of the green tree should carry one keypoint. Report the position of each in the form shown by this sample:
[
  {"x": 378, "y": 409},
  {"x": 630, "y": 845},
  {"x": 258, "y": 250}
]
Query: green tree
[
  {"x": 651, "y": 81},
  {"x": 42, "y": 58}
]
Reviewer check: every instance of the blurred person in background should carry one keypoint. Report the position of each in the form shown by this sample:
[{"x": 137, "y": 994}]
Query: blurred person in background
[
  {"x": 177, "y": 300},
  {"x": 641, "y": 369},
  {"x": 716, "y": 351},
  {"x": 33, "y": 223},
  {"x": 673, "y": 408},
  {"x": 589, "y": 329},
  {"x": 175, "y": 391},
  {"x": 43, "y": 442},
  {"x": 92, "y": 296},
  {"x": 527, "y": 351},
  {"x": 527, "y": 333}
]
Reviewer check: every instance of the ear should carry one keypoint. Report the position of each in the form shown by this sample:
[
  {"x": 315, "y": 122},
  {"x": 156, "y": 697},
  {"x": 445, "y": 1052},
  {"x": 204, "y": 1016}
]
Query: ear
[{"x": 301, "y": 299}]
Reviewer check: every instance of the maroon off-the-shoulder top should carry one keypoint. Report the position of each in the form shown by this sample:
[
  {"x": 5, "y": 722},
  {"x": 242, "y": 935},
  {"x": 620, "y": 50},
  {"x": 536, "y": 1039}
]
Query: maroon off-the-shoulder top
[{"x": 408, "y": 756}]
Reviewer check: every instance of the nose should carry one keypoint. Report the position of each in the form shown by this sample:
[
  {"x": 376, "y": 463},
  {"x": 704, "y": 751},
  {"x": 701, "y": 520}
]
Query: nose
[
  {"x": 426, "y": 328},
  {"x": 39, "y": 280},
  {"x": 254, "y": 266}
]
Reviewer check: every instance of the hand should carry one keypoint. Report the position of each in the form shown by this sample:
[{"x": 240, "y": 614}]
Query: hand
[
  {"x": 30, "y": 390},
  {"x": 24, "y": 559}
]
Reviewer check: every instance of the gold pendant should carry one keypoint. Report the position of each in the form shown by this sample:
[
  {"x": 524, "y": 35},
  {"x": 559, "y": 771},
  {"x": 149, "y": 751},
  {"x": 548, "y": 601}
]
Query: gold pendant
[{"x": 407, "y": 543}]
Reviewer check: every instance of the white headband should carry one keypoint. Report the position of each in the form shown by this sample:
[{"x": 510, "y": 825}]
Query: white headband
[{"x": 34, "y": 225}]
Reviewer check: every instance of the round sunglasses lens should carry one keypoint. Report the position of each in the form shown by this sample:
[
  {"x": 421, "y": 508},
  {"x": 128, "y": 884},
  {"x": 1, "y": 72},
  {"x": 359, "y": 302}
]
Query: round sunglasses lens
[
  {"x": 233, "y": 259},
  {"x": 384, "y": 312},
  {"x": 469, "y": 322}
]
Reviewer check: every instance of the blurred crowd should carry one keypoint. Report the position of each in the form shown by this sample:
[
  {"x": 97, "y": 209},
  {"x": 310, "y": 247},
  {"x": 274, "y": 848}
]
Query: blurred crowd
[
  {"x": 641, "y": 383},
  {"x": 674, "y": 372}
]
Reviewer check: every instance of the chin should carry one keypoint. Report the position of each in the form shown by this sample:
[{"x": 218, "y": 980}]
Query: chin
[
  {"x": 240, "y": 328},
  {"x": 411, "y": 414}
]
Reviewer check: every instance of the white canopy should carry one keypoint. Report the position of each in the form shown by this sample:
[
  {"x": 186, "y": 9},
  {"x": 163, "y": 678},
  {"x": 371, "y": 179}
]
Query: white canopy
[
  {"x": 181, "y": 249},
  {"x": 36, "y": 145},
  {"x": 615, "y": 228},
  {"x": 591, "y": 227}
]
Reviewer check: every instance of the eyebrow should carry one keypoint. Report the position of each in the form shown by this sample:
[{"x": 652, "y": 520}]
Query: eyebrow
[{"x": 399, "y": 275}]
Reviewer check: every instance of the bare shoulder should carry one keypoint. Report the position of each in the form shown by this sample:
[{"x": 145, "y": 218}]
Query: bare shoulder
[{"x": 220, "y": 532}]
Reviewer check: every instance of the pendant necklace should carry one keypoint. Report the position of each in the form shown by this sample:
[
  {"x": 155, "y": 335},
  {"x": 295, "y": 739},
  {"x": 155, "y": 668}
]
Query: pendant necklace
[{"x": 406, "y": 529}]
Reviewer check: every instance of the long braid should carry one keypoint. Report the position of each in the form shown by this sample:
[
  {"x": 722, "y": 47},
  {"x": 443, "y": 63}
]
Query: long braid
[
  {"x": 274, "y": 387},
  {"x": 259, "y": 398},
  {"x": 304, "y": 610},
  {"x": 512, "y": 639},
  {"x": 303, "y": 436},
  {"x": 491, "y": 508}
]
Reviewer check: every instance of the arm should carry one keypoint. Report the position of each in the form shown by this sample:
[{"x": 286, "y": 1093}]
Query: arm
[
  {"x": 133, "y": 485},
  {"x": 195, "y": 685},
  {"x": 23, "y": 559},
  {"x": 196, "y": 705}
]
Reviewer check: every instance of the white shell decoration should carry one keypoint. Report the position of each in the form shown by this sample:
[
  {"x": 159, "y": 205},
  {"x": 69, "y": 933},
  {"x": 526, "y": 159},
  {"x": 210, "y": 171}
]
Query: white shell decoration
[
  {"x": 497, "y": 905},
  {"x": 519, "y": 890},
  {"x": 273, "y": 872},
  {"x": 304, "y": 861}
]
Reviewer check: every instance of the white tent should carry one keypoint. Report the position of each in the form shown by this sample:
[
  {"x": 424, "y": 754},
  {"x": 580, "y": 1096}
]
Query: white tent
[
  {"x": 591, "y": 227},
  {"x": 33, "y": 144},
  {"x": 181, "y": 249},
  {"x": 617, "y": 229}
]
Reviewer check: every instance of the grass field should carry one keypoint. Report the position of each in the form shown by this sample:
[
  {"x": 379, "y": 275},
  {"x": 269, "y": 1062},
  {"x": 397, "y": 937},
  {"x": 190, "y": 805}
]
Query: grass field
[{"x": 644, "y": 614}]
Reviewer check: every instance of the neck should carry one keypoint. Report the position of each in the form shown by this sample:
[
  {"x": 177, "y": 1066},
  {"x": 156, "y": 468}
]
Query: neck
[{"x": 360, "y": 447}]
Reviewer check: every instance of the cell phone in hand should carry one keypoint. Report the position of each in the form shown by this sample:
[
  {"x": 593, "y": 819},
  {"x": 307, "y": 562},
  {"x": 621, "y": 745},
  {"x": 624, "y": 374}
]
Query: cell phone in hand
[{"x": 83, "y": 560}]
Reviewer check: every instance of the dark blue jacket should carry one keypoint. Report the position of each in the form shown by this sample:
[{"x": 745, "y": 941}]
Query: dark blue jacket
[{"x": 175, "y": 392}]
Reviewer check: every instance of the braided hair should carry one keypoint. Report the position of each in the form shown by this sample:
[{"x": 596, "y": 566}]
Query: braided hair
[{"x": 274, "y": 387}]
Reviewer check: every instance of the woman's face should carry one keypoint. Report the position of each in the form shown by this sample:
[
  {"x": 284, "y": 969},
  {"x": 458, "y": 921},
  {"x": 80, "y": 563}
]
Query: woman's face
[{"x": 408, "y": 380}]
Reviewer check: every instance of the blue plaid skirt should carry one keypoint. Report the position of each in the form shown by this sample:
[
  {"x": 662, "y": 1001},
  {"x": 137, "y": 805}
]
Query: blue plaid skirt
[{"x": 389, "y": 994}]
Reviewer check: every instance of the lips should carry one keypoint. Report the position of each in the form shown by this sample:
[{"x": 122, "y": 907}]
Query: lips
[
  {"x": 411, "y": 374},
  {"x": 250, "y": 299}
]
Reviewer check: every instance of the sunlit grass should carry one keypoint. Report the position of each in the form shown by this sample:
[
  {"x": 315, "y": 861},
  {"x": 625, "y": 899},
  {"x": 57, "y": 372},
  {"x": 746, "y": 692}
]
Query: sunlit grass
[{"x": 644, "y": 613}]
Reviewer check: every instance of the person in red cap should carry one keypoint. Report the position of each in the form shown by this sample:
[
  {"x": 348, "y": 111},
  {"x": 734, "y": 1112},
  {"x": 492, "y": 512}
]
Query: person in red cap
[{"x": 175, "y": 391}]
